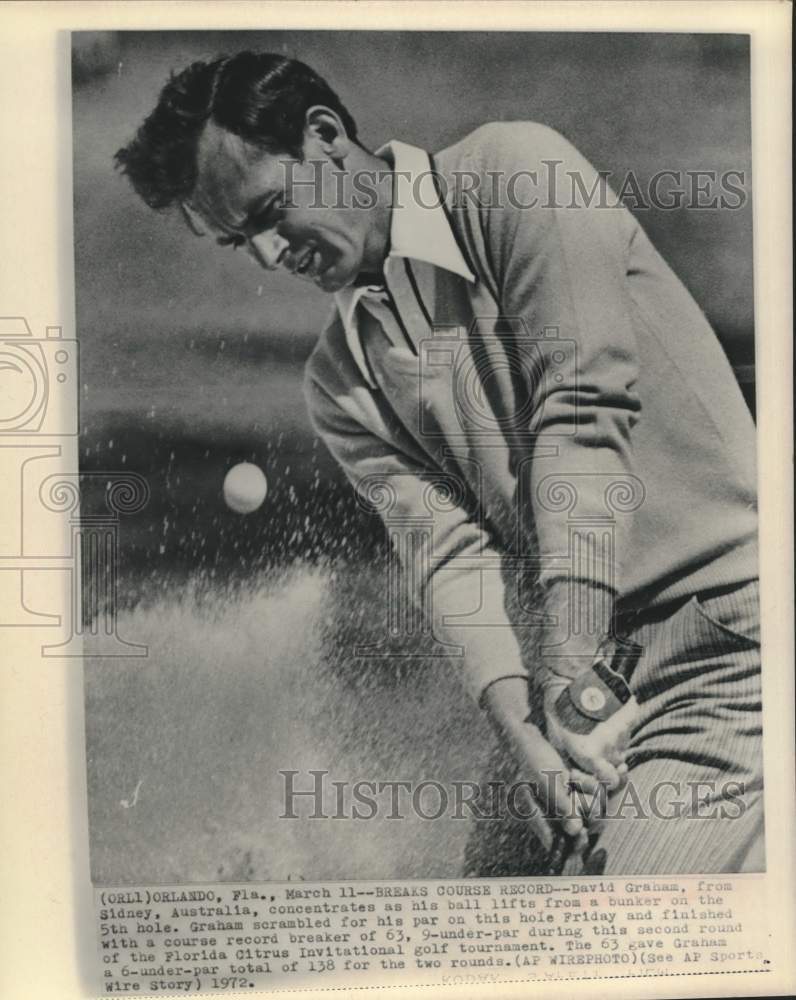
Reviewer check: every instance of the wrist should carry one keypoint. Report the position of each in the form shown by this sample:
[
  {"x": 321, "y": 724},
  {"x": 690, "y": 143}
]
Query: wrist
[
  {"x": 560, "y": 670},
  {"x": 593, "y": 697}
]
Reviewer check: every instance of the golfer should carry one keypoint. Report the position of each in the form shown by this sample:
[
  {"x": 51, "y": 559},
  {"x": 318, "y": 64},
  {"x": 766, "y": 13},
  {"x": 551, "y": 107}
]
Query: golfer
[{"x": 510, "y": 363}]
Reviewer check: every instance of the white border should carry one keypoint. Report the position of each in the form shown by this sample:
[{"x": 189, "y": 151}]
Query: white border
[{"x": 43, "y": 842}]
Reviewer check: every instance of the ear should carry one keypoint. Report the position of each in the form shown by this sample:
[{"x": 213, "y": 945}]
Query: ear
[{"x": 324, "y": 127}]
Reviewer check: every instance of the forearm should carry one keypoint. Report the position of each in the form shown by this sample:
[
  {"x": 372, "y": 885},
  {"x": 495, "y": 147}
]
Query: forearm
[
  {"x": 563, "y": 273},
  {"x": 468, "y": 608},
  {"x": 581, "y": 612}
]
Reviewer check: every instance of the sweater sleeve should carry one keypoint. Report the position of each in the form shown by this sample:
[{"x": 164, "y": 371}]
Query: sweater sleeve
[
  {"x": 441, "y": 564},
  {"x": 558, "y": 248}
]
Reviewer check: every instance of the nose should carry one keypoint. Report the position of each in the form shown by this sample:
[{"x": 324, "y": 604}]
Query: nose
[{"x": 268, "y": 248}]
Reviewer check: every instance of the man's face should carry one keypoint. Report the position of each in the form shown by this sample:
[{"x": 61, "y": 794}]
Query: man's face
[{"x": 286, "y": 212}]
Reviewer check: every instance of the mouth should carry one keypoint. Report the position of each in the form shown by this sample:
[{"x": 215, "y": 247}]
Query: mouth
[{"x": 309, "y": 263}]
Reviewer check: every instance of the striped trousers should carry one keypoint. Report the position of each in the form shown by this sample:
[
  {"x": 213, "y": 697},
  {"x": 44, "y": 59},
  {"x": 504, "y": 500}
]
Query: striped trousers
[{"x": 693, "y": 802}]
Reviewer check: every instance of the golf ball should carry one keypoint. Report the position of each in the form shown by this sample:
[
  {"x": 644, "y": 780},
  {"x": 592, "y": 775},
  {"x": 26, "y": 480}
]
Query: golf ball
[{"x": 245, "y": 487}]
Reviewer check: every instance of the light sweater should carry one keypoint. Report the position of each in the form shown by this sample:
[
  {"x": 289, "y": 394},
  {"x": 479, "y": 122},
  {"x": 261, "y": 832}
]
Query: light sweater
[{"x": 593, "y": 436}]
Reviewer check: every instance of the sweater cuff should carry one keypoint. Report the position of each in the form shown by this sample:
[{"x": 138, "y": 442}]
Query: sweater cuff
[
  {"x": 488, "y": 685},
  {"x": 583, "y": 614}
]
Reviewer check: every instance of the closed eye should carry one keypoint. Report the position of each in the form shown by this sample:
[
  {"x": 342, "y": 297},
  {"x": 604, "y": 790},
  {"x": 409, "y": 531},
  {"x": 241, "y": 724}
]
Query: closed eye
[
  {"x": 257, "y": 223},
  {"x": 266, "y": 218}
]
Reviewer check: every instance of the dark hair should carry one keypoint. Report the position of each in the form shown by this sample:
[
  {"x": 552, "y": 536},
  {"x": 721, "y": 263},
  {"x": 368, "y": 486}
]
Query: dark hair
[{"x": 260, "y": 96}]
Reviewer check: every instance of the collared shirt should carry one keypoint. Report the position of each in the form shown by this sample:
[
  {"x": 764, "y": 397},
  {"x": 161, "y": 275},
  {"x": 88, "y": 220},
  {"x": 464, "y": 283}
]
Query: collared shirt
[{"x": 419, "y": 231}]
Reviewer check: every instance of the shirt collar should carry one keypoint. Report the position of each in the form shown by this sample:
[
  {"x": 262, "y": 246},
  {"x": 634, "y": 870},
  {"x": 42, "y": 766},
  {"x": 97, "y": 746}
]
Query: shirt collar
[{"x": 419, "y": 228}]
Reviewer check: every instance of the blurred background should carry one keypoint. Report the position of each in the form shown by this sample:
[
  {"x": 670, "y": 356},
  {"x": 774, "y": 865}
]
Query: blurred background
[{"x": 191, "y": 361}]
